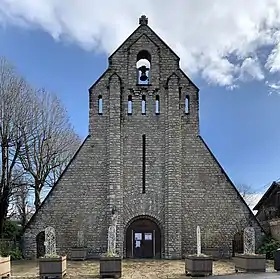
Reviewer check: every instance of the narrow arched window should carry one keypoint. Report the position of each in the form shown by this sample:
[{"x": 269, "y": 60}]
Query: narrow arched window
[
  {"x": 143, "y": 164},
  {"x": 100, "y": 105},
  {"x": 187, "y": 104},
  {"x": 129, "y": 105},
  {"x": 157, "y": 104},
  {"x": 143, "y": 104}
]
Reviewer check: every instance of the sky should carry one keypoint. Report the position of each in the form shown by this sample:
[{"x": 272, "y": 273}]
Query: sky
[{"x": 230, "y": 49}]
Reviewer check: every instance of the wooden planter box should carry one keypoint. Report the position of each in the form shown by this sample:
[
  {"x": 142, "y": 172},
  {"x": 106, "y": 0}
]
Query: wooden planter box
[
  {"x": 52, "y": 267},
  {"x": 198, "y": 265},
  {"x": 110, "y": 267},
  {"x": 5, "y": 266},
  {"x": 78, "y": 254},
  {"x": 250, "y": 263}
]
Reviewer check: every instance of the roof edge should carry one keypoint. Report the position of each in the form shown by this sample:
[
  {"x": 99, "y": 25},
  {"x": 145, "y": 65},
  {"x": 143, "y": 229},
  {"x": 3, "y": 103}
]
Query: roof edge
[
  {"x": 265, "y": 195},
  {"x": 102, "y": 76},
  {"x": 229, "y": 180},
  {"x": 48, "y": 195},
  {"x": 139, "y": 27},
  {"x": 191, "y": 82}
]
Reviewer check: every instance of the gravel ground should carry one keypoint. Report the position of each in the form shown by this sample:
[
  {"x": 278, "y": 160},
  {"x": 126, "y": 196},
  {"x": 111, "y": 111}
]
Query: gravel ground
[{"x": 132, "y": 269}]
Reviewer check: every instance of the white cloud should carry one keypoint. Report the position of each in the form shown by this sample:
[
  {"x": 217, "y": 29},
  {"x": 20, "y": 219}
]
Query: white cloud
[
  {"x": 274, "y": 87},
  {"x": 203, "y": 33},
  {"x": 251, "y": 69},
  {"x": 273, "y": 60}
]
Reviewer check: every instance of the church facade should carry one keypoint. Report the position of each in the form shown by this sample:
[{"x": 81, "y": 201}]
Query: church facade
[{"x": 144, "y": 161}]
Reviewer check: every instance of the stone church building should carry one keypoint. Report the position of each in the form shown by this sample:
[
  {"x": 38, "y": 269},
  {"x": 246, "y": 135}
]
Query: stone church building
[{"x": 145, "y": 161}]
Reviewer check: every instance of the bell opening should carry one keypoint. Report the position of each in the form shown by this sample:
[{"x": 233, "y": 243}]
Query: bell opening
[
  {"x": 143, "y": 70},
  {"x": 143, "y": 67}
]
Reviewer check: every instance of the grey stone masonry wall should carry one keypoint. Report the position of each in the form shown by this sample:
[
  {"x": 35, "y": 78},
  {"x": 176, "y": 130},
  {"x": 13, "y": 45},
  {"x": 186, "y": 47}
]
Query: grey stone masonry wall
[
  {"x": 185, "y": 185},
  {"x": 212, "y": 199},
  {"x": 173, "y": 183},
  {"x": 115, "y": 192},
  {"x": 77, "y": 201}
]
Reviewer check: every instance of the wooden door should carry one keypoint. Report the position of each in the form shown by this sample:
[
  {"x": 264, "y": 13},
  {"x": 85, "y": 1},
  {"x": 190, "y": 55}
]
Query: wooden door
[{"x": 143, "y": 239}]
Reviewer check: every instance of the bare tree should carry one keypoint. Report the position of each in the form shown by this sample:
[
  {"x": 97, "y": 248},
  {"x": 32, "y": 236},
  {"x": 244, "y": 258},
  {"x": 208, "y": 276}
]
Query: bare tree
[
  {"x": 24, "y": 208},
  {"x": 247, "y": 193},
  {"x": 21, "y": 207},
  {"x": 36, "y": 140},
  {"x": 14, "y": 112},
  {"x": 63, "y": 159},
  {"x": 48, "y": 143}
]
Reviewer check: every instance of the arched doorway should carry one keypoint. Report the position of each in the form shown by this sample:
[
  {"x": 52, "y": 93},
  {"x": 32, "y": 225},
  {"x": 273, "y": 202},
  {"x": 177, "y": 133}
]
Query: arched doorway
[
  {"x": 143, "y": 238},
  {"x": 40, "y": 240},
  {"x": 237, "y": 244}
]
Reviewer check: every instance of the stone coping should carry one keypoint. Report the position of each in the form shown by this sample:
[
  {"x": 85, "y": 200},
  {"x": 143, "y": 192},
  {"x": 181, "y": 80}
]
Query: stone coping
[
  {"x": 104, "y": 258},
  {"x": 59, "y": 259},
  {"x": 250, "y": 256},
  {"x": 204, "y": 257}
]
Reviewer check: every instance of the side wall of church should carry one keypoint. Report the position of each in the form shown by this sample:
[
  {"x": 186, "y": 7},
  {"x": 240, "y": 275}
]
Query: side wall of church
[
  {"x": 76, "y": 202},
  {"x": 208, "y": 197}
]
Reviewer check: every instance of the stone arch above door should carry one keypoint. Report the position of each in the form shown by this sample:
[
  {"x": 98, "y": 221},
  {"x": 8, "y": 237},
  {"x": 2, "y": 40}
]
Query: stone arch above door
[{"x": 143, "y": 237}]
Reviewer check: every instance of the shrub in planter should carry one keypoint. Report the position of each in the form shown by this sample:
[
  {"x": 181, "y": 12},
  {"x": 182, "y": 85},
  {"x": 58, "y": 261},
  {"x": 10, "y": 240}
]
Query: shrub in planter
[
  {"x": 198, "y": 265},
  {"x": 249, "y": 261},
  {"x": 80, "y": 251},
  {"x": 5, "y": 266},
  {"x": 110, "y": 265},
  {"x": 51, "y": 265}
]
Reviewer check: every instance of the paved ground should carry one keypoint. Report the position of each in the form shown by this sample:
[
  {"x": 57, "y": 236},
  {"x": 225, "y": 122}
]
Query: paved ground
[
  {"x": 138, "y": 269},
  {"x": 266, "y": 275}
]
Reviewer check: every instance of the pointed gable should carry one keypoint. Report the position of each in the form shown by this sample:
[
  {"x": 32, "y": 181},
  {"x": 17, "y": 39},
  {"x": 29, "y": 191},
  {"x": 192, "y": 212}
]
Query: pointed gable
[
  {"x": 275, "y": 186},
  {"x": 143, "y": 29}
]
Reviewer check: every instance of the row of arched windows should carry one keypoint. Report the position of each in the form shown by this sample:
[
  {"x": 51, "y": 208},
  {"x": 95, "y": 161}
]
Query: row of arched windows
[{"x": 143, "y": 105}]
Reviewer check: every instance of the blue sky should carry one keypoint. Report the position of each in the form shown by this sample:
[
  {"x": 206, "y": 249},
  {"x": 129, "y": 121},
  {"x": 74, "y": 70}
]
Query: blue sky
[{"x": 241, "y": 126}]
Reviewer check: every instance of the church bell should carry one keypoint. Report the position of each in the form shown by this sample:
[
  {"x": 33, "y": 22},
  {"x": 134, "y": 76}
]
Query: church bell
[{"x": 143, "y": 70}]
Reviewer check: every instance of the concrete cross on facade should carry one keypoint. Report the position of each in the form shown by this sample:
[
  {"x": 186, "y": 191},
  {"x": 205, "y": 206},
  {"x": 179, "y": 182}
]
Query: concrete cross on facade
[{"x": 143, "y": 20}]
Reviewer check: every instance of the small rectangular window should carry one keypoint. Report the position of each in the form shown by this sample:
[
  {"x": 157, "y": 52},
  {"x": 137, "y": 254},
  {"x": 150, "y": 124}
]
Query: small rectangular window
[
  {"x": 129, "y": 105},
  {"x": 100, "y": 105},
  {"x": 187, "y": 104},
  {"x": 143, "y": 104},
  {"x": 157, "y": 104}
]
